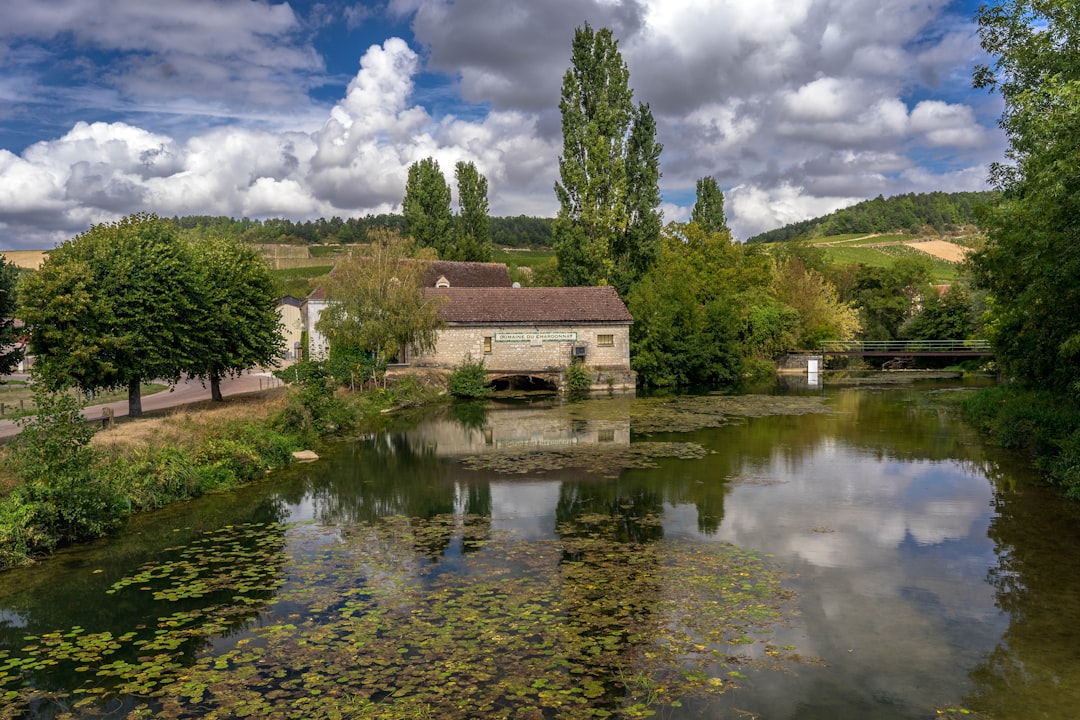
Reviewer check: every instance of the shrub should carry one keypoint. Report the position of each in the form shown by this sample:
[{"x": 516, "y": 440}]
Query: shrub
[
  {"x": 59, "y": 499},
  {"x": 469, "y": 380},
  {"x": 578, "y": 379}
]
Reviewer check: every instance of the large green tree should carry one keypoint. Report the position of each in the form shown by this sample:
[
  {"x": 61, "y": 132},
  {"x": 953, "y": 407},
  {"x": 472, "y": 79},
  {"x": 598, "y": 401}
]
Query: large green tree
[
  {"x": 471, "y": 233},
  {"x": 1031, "y": 264},
  {"x": 426, "y": 207},
  {"x": 708, "y": 209},
  {"x": 113, "y": 307},
  {"x": 377, "y": 302},
  {"x": 705, "y": 313},
  {"x": 238, "y": 326},
  {"x": 11, "y": 352},
  {"x": 608, "y": 226}
]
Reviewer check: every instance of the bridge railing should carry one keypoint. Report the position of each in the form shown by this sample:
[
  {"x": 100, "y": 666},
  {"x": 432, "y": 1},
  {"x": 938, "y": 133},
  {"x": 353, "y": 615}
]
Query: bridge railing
[{"x": 902, "y": 347}]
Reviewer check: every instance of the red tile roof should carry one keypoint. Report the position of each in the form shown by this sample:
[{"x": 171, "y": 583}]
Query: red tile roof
[{"x": 532, "y": 305}]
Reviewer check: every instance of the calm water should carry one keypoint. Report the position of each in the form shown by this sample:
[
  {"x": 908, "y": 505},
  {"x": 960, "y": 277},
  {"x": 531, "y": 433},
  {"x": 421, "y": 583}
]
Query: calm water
[{"x": 928, "y": 572}]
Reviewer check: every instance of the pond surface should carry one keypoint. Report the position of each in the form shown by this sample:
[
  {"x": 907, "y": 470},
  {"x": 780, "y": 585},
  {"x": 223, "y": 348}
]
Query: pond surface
[{"x": 838, "y": 554}]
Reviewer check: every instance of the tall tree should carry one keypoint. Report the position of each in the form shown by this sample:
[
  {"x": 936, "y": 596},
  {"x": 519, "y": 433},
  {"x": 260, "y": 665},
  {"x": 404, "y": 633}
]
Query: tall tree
[
  {"x": 113, "y": 307},
  {"x": 377, "y": 300},
  {"x": 1030, "y": 264},
  {"x": 238, "y": 327},
  {"x": 11, "y": 352},
  {"x": 607, "y": 229},
  {"x": 426, "y": 207},
  {"x": 472, "y": 231},
  {"x": 708, "y": 209}
]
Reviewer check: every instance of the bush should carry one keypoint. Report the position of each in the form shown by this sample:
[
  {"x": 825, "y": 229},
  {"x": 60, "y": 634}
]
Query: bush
[
  {"x": 1044, "y": 424},
  {"x": 578, "y": 379},
  {"x": 60, "y": 499},
  {"x": 469, "y": 380}
]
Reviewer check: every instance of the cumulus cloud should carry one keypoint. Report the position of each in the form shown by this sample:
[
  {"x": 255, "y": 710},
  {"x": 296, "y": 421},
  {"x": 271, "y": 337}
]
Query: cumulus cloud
[{"x": 797, "y": 107}]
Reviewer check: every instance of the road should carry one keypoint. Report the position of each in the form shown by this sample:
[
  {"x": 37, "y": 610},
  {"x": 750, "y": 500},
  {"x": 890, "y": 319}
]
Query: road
[{"x": 185, "y": 392}]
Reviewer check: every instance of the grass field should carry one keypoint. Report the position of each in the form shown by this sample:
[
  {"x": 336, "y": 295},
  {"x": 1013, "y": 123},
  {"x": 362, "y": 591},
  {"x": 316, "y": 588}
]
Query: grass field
[
  {"x": 884, "y": 256},
  {"x": 298, "y": 282},
  {"x": 28, "y": 259}
]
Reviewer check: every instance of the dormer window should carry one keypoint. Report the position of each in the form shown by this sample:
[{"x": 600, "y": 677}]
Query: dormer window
[{"x": 442, "y": 282}]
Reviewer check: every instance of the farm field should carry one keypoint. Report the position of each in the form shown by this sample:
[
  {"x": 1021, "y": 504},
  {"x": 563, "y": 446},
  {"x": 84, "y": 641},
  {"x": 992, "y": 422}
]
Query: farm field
[{"x": 27, "y": 259}]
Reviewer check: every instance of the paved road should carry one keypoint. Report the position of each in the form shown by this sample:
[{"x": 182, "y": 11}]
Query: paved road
[{"x": 185, "y": 392}]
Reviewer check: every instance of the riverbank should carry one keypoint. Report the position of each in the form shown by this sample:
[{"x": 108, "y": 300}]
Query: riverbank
[
  {"x": 1043, "y": 424},
  {"x": 63, "y": 483}
]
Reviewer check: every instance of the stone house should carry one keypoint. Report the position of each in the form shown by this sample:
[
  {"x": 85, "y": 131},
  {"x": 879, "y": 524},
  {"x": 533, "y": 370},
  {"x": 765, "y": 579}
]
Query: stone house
[
  {"x": 535, "y": 333},
  {"x": 441, "y": 273},
  {"x": 519, "y": 333},
  {"x": 291, "y": 317}
]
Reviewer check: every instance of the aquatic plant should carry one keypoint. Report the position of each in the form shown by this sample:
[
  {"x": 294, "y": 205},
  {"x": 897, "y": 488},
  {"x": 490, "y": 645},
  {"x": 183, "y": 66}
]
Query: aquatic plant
[{"x": 357, "y": 624}]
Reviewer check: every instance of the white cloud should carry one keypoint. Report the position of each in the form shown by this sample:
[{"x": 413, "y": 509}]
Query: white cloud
[{"x": 797, "y": 107}]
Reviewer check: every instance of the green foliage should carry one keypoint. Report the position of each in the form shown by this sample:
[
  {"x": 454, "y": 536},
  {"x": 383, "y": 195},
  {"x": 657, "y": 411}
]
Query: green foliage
[
  {"x": 691, "y": 310},
  {"x": 59, "y": 498},
  {"x": 311, "y": 410},
  {"x": 708, "y": 209},
  {"x": 948, "y": 316},
  {"x": 10, "y": 352},
  {"x": 1029, "y": 265},
  {"x": 912, "y": 213},
  {"x": 607, "y": 230},
  {"x": 578, "y": 379},
  {"x": 886, "y": 296},
  {"x": 426, "y": 207},
  {"x": 377, "y": 301},
  {"x": 469, "y": 379},
  {"x": 113, "y": 307},
  {"x": 472, "y": 239},
  {"x": 237, "y": 326},
  {"x": 1044, "y": 423}
]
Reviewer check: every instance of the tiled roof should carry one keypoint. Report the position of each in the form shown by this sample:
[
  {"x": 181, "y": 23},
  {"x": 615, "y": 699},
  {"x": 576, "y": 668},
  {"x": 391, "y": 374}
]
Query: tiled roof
[
  {"x": 468, "y": 274},
  {"x": 532, "y": 305},
  {"x": 457, "y": 274}
]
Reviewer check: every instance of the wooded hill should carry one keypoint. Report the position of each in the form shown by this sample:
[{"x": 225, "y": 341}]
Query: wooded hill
[
  {"x": 916, "y": 213},
  {"x": 518, "y": 231}
]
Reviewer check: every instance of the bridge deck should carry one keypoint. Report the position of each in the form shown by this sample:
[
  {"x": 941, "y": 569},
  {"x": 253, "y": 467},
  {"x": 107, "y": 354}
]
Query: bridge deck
[{"x": 910, "y": 348}]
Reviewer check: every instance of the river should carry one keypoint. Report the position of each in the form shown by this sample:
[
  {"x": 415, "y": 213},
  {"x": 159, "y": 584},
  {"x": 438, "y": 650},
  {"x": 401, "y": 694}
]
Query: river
[{"x": 837, "y": 553}]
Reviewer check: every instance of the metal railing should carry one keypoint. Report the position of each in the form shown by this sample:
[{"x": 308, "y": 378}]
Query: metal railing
[{"x": 908, "y": 347}]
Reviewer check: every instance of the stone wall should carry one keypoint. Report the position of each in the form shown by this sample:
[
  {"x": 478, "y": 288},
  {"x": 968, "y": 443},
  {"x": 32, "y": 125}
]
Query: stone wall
[{"x": 521, "y": 349}]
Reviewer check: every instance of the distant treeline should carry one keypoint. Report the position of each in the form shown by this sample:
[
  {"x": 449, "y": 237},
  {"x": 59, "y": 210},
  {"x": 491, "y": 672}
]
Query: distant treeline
[
  {"x": 519, "y": 231},
  {"x": 914, "y": 213}
]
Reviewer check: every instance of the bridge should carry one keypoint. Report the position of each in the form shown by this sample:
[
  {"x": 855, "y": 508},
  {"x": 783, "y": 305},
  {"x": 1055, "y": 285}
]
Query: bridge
[{"x": 908, "y": 348}]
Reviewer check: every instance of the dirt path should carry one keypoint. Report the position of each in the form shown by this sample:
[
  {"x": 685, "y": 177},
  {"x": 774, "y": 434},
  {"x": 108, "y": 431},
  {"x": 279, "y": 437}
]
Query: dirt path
[{"x": 185, "y": 392}]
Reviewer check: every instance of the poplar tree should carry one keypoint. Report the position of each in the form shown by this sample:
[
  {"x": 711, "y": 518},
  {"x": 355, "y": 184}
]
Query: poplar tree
[
  {"x": 708, "y": 210},
  {"x": 473, "y": 238},
  {"x": 426, "y": 207},
  {"x": 607, "y": 229}
]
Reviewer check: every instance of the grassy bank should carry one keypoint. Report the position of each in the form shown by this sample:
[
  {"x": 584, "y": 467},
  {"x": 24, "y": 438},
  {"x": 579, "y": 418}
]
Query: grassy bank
[
  {"x": 62, "y": 483},
  {"x": 1044, "y": 424}
]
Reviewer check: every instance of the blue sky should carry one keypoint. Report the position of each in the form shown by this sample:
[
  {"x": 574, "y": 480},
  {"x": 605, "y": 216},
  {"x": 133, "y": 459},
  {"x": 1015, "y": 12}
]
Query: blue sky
[{"x": 304, "y": 109}]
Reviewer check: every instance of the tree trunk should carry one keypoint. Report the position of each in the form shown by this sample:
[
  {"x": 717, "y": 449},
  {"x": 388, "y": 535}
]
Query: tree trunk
[
  {"x": 215, "y": 388},
  {"x": 135, "y": 398}
]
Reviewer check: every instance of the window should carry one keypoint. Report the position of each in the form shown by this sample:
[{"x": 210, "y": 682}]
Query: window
[
  {"x": 605, "y": 340},
  {"x": 487, "y": 344}
]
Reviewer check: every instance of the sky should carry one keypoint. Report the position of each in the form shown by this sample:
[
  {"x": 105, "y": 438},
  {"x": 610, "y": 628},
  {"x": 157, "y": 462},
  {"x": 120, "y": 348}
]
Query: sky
[{"x": 302, "y": 109}]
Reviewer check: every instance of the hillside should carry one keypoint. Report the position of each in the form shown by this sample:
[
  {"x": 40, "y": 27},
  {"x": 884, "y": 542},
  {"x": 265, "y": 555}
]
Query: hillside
[{"x": 914, "y": 213}]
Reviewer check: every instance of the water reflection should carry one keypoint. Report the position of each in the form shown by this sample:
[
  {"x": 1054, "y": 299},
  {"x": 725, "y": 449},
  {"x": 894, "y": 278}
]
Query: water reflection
[{"x": 929, "y": 573}]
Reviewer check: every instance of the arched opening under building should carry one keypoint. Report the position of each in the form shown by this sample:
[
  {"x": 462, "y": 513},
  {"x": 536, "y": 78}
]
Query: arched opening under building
[{"x": 524, "y": 383}]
